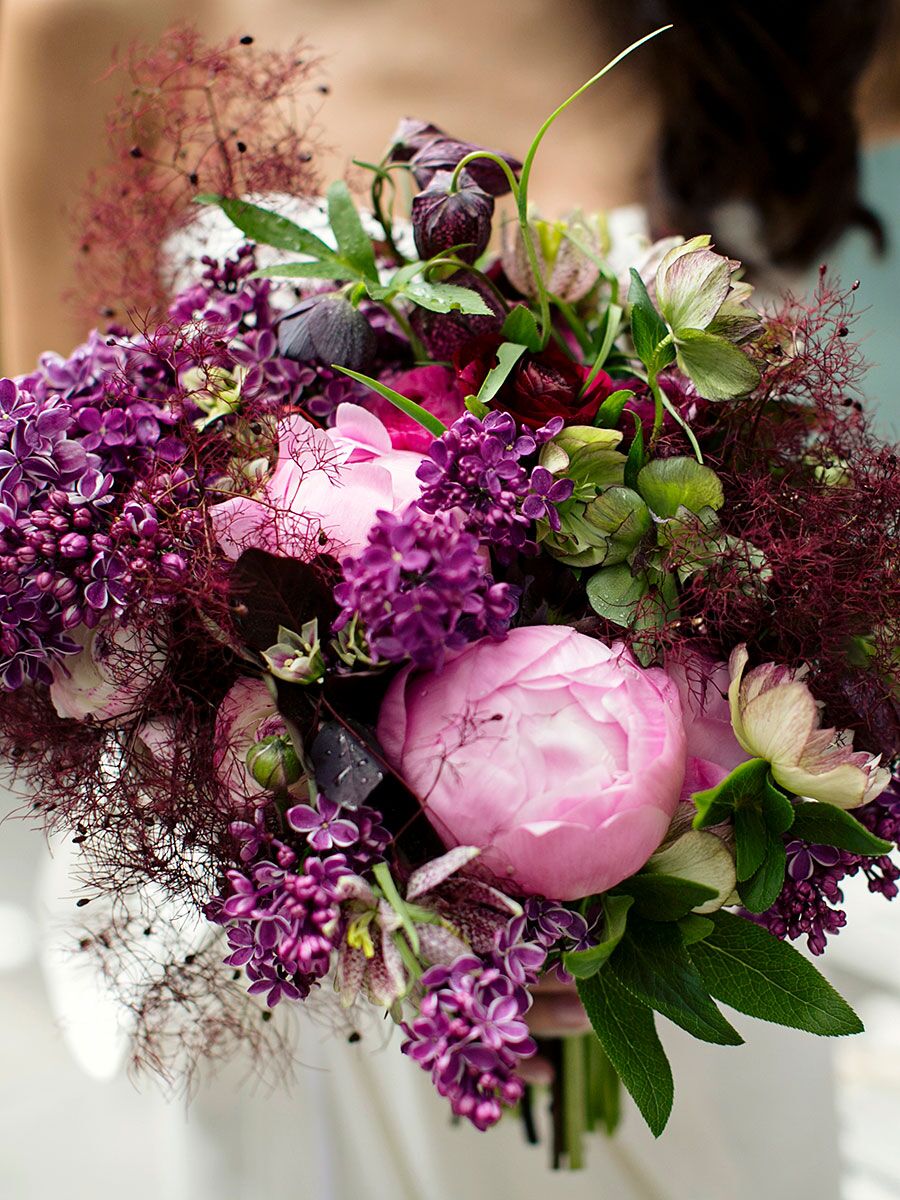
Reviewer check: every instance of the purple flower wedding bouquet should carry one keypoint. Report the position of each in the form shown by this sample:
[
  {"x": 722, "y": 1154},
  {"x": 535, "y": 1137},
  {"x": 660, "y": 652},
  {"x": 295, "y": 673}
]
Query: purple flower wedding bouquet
[{"x": 430, "y": 619}]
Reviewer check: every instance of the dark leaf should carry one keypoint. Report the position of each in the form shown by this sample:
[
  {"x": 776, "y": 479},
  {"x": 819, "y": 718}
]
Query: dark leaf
[{"x": 345, "y": 769}]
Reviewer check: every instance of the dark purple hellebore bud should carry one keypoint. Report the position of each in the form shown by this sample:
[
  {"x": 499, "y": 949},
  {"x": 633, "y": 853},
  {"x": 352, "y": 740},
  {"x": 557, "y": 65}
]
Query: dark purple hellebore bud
[
  {"x": 442, "y": 219},
  {"x": 410, "y": 136},
  {"x": 329, "y": 329},
  {"x": 443, "y": 154}
]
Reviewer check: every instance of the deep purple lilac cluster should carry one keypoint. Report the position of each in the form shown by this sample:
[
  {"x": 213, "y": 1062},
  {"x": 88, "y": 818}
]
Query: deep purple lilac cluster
[
  {"x": 809, "y": 904},
  {"x": 420, "y": 589},
  {"x": 69, "y": 449},
  {"x": 470, "y": 1033},
  {"x": 283, "y": 924},
  {"x": 481, "y": 467},
  {"x": 282, "y": 911},
  {"x": 239, "y": 308}
]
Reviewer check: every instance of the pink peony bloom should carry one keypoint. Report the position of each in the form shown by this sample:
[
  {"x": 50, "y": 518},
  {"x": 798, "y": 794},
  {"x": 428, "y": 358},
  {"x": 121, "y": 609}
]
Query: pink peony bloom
[
  {"x": 108, "y": 679},
  {"x": 434, "y": 388},
  {"x": 556, "y": 754},
  {"x": 325, "y": 490},
  {"x": 712, "y": 749}
]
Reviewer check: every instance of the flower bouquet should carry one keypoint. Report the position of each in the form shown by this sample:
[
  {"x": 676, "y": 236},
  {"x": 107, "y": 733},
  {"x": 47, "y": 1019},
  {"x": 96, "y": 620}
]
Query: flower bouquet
[{"x": 431, "y": 618}]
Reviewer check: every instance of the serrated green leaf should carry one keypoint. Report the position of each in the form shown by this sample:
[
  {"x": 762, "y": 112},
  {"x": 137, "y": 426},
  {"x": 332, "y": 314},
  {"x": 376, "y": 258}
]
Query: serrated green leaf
[
  {"x": 744, "y": 966},
  {"x": 826, "y": 825},
  {"x": 751, "y": 840},
  {"x": 719, "y": 369},
  {"x": 652, "y": 963},
  {"x": 610, "y": 411},
  {"x": 763, "y": 888},
  {"x": 668, "y": 484},
  {"x": 521, "y": 326},
  {"x": 354, "y": 244},
  {"x": 269, "y": 228},
  {"x": 508, "y": 354},
  {"x": 749, "y": 782},
  {"x": 648, "y": 328},
  {"x": 622, "y": 517},
  {"x": 616, "y": 594},
  {"x": 445, "y": 298},
  {"x": 665, "y": 897},
  {"x": 626, "y": 1030},
  {"x": 425, "y": 418},
  {"x": 585, "y": 963},
  {"x": 331, "y": 269}
]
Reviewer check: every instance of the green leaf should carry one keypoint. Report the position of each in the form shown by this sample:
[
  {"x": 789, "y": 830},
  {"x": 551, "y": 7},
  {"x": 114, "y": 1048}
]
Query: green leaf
[
  {"x": 616, "y": 594},
  {"x": 610, "y": 411},
  {"x": 585, "y": 963},
  {"x": 668, "y": 484},
  {"x": 763, "y": 888},
  {"x": 636, "y": 457},
  {"x": 330, "y": 269},
  {"x": 761, "y": 814},
  {"x": 825, "y": 825},
  {"x": 426, "y": 419},
  {"x": 354, "y": 243},
  {"x": 695, "y": 928},
  {"x": 744, "y": 966},
  {"x": 665, "y": 897},
  {"x": 719, "y": 369},
  {"x": 623, "y": 518},
  {"x": 648, "y": 328},
  {"x": 269, "y": 228},
  {"x": 749, "y": 783},
  {"x": 652, "y": 963},
  {"x": 626, "y": 1030},
  {"x": 521, "y": 326},
  {"x": 508, "y": 354},
  {"x": 445, "y": 297}
]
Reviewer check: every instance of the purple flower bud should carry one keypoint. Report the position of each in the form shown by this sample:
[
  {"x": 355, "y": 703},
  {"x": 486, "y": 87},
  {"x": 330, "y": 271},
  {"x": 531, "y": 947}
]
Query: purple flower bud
[
  {"x": 73, "y": 545},
  {"x": 329, "y": 329},
  {"x": 443, "y": 154},
  {"x": 442, "y": 219}
]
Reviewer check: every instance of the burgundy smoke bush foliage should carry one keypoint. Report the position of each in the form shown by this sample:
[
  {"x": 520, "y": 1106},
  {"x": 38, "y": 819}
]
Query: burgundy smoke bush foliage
[
  {"x": 230, "y": 119},
  {"x": 817, "y": 493}
]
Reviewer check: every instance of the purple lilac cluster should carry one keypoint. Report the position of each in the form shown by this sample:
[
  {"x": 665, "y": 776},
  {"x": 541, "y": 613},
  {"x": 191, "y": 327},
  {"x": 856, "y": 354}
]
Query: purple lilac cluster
[
  {"x": 420, "y": 589},
  {"x": 470, "y": 1033},
  {"x": 558, "y": 930},
  {"x": 481, "y": 466},
  {"x": 809, "y": 904},
  {"x": 282, "y": 924},
  {"x": 239, "y": 308},
  {"x": 282, "y": 913},
  {"x": 71, "y": 443}
]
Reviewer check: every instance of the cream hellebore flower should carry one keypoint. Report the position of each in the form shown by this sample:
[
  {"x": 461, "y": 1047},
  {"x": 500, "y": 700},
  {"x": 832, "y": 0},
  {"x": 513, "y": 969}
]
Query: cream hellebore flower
[
  {"x": 706, "y": 310},
  {"x": 567, "y": 252},
  {"x": 775, "y": 717}
]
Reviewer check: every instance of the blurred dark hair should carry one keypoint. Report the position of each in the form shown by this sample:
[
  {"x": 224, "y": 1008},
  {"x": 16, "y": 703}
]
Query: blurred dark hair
[{"x": 759, "y": 142}]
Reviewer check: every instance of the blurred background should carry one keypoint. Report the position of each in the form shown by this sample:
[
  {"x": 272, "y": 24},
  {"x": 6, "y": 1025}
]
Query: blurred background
[{"x": 775, "y": 126}]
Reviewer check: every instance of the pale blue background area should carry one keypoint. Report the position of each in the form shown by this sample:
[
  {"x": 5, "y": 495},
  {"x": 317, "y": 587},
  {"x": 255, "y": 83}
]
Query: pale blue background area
[{"x": 878, "y": 327}]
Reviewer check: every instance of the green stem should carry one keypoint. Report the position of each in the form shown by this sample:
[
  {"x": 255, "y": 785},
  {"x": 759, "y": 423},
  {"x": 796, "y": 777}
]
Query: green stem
[
  {"x": 658, "y": 408},
  {"x": 521, "y": 193},
  {"x": 419, "y": 352},
  {"x": 574, "y": 1099}
]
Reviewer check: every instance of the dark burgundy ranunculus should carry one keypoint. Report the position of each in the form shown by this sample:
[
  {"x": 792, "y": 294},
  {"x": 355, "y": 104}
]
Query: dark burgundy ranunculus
[
  {"x": 442, "y": 219},
  {"x": 539, "y": 387}
]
